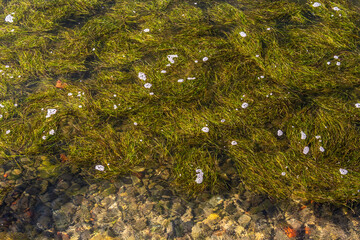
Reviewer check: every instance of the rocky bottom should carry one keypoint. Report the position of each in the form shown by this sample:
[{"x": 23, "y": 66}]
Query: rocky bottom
[{"x": 142, "y": 206}]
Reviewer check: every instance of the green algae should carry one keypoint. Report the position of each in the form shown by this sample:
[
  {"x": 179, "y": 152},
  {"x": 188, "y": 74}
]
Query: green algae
[
  {"x": 98, "y": 48},
  {"x": 13, "y": 236},
  {"x": 47, "y": 169}
]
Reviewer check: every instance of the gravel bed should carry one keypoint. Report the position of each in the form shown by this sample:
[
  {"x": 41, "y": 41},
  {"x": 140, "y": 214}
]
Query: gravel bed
[{"x": 143, "y": 206}]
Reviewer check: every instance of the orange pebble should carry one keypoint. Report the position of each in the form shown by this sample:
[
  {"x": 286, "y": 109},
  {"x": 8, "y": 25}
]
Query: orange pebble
[
  {"x": 302, "y": 207},
  {"x": 290, "y": 232},
  {"x": 59, "y": 84},
  {"x": 307, "y": 230}
]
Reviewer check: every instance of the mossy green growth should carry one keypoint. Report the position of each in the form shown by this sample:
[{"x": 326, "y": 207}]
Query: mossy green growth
[
  {"x": 244, "y": 70},
  {"x": 47, "y": 169},
  {"x": 13, "y": 236}
]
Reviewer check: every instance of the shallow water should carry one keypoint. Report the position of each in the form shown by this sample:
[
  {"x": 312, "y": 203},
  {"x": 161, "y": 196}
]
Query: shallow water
[
  {"x": 72, "y": 185},
  {"x": 144, "y": 207}
]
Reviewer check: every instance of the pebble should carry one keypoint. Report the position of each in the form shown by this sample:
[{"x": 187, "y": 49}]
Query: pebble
[
  {"x": 244, "y": 220},
  {"x": 132, "y": 208}
]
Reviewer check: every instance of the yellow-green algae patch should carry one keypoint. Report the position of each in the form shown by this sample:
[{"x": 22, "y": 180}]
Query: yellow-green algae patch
[{"x": 245, "y": 70}]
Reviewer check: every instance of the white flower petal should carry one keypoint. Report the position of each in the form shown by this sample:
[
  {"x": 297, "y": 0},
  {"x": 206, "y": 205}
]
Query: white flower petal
[
  {"x": 9, "y": 18},
  {"x": 199, "y": 176},
  {"x": 147, "y": 85},
  {"x": 343, "y": 171},
  {"x": 50, "y": 112},
  {"x": 243, "y": 34},
  {"x": 100, "y": 167},
  {"x": 303, "y": 135},
  {"x": 306, "y": 150},
  {"x": 205, "y": 129},
  {"x": 142, "y": 76},
  {"x": 171, "y": 58}
]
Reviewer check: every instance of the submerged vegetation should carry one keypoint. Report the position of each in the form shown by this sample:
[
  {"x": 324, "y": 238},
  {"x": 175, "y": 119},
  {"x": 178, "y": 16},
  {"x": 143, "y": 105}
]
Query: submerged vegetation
[{"x": 263, "y": 93}]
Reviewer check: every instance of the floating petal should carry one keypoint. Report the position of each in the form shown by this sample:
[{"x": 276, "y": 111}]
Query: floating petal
[
  {"x": 343, "y": 171},
  {"x": 306, "y": 150}
]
